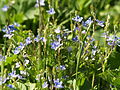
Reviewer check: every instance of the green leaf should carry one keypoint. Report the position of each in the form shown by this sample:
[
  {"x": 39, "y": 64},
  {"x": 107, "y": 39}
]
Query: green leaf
[
  {"x": 9, "y": 60},
  {"x": 21, "y": 86}
]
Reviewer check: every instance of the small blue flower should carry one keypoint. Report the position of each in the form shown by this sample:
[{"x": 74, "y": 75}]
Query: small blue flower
[
  {"x": 77, "y": 19},
  {"x": 100, "y": 23},
  {"x": 10, "y": 86},
  {"x": 13, "y": 74},
  {"x": 94, "y": 51},
  {"x": 3, "y": 80},
  {"x": 43, "y": 39},
  {"x": 16, "y": 51},
  {"x": 45, "y": 85},
  {"x": 58, "y": 84},
  {"x": 83, "y": 32},
  {"x": 62, "y": 67},
  {"x": 17, "y": 65},
  {"x": 28, "y": 40},
  {"x": 77, "y": 28},
  {"x": 89, "y": 21},
  {"x": 11, "y": 28},
  {"x": 57, "y": 30},
  {"x": 55, "y": 45},
  {"x": 8, "y": 35},
  {"x": 42, "y": 3},
  {"x": 5, "y": 8},
  {"x": 75, "y": 38},
  {"x": 111, "y": 43},
  {"x": 59, "y": 38},
  {"x": 21, "y": 47},
  {"x": 2, "y": 58},
  {"x": 37, "y": 39},
  {"x": 51, "y": 11}
]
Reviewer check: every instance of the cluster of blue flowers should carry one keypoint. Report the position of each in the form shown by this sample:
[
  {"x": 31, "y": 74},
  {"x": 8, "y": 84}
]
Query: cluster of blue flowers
[
  {"x": 113, "y": 40},
  {"x": 87, "y": 22},
  {"x": 28, "y": 41},
  {"x": 57, "y": 84},
  {"x": 9, "y": 29}
]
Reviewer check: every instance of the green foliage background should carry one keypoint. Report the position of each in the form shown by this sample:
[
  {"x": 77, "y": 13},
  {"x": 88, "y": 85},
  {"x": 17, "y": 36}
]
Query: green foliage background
[{"x": 25, "y": 13}]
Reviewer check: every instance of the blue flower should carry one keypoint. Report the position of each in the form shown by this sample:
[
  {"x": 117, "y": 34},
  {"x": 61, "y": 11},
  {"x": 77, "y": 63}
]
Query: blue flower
[
  {"x": 57, "y": 30},
  {"x": 87, "y": 22},
  {"x": 51, "y": 11},
  {"x": 77, "y": 28},
  {"x": 45, "y": 85},
  {"x": 43, "y": 39},
  {"x": 62, "y": 67},
  {"x": 75, "y": 38},
  {"x": 10, "y": 86},
  {"x": 21, "y": 47},
  {"x": 77, "y": 19},
  {"x": 2, "y": 58},
  {"x": 13, "y": 74},
  {"x": 16, "y": 51},
  {"x": 28, "y": 40},
  {"x": 8, "y": 35},
  {"x": 83, "y": 32},
  {"x": 42, "y": 3},
  {"x": 8, "y": 30},
  {"x": 17, "y": 65},
  {"x": 100, "y": 23},
  {"x": 5, "y": 8},
  {"x": 58, "y": 84},
  {"x": 3, "y": 80},
  {"x": 12, "y": 28},
  {"x": 55, "y": 45},
  {"x": 37, "y": 39},
  {"x": 59, "y": 38}
]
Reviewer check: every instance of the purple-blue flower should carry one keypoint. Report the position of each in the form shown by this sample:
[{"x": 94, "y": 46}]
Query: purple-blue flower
[
  {"x": 5, "y": 8},
  {"x": 28, "y": 40},
  {"x": 45, "y": 85},
  {"x": 42, "y": 3},
  {"x": 37, "y": 39},
  {"x": 55, "y": 45},
  {"x": 62, "y": 67},
  {"x": 87, "y": 22},
  {"x": 100, "y": 23},
  {"x": 2, "y": 58},
  {"x": 51, "y": 11},
  {"x": 21, "y": 46},
  {"x": 3, "y": 80},
  {"x": 10, "y": 86},
  {"x": 43, "y": 39},
  {"x": 75, "y": 38},
  {"x": 57, "y": 30},
  {"x": 58, "y": 84},
  {"x": 77, "y": 18},
  {"x": 13, "y": 74},
  {"x": 16, "y": 51}
]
